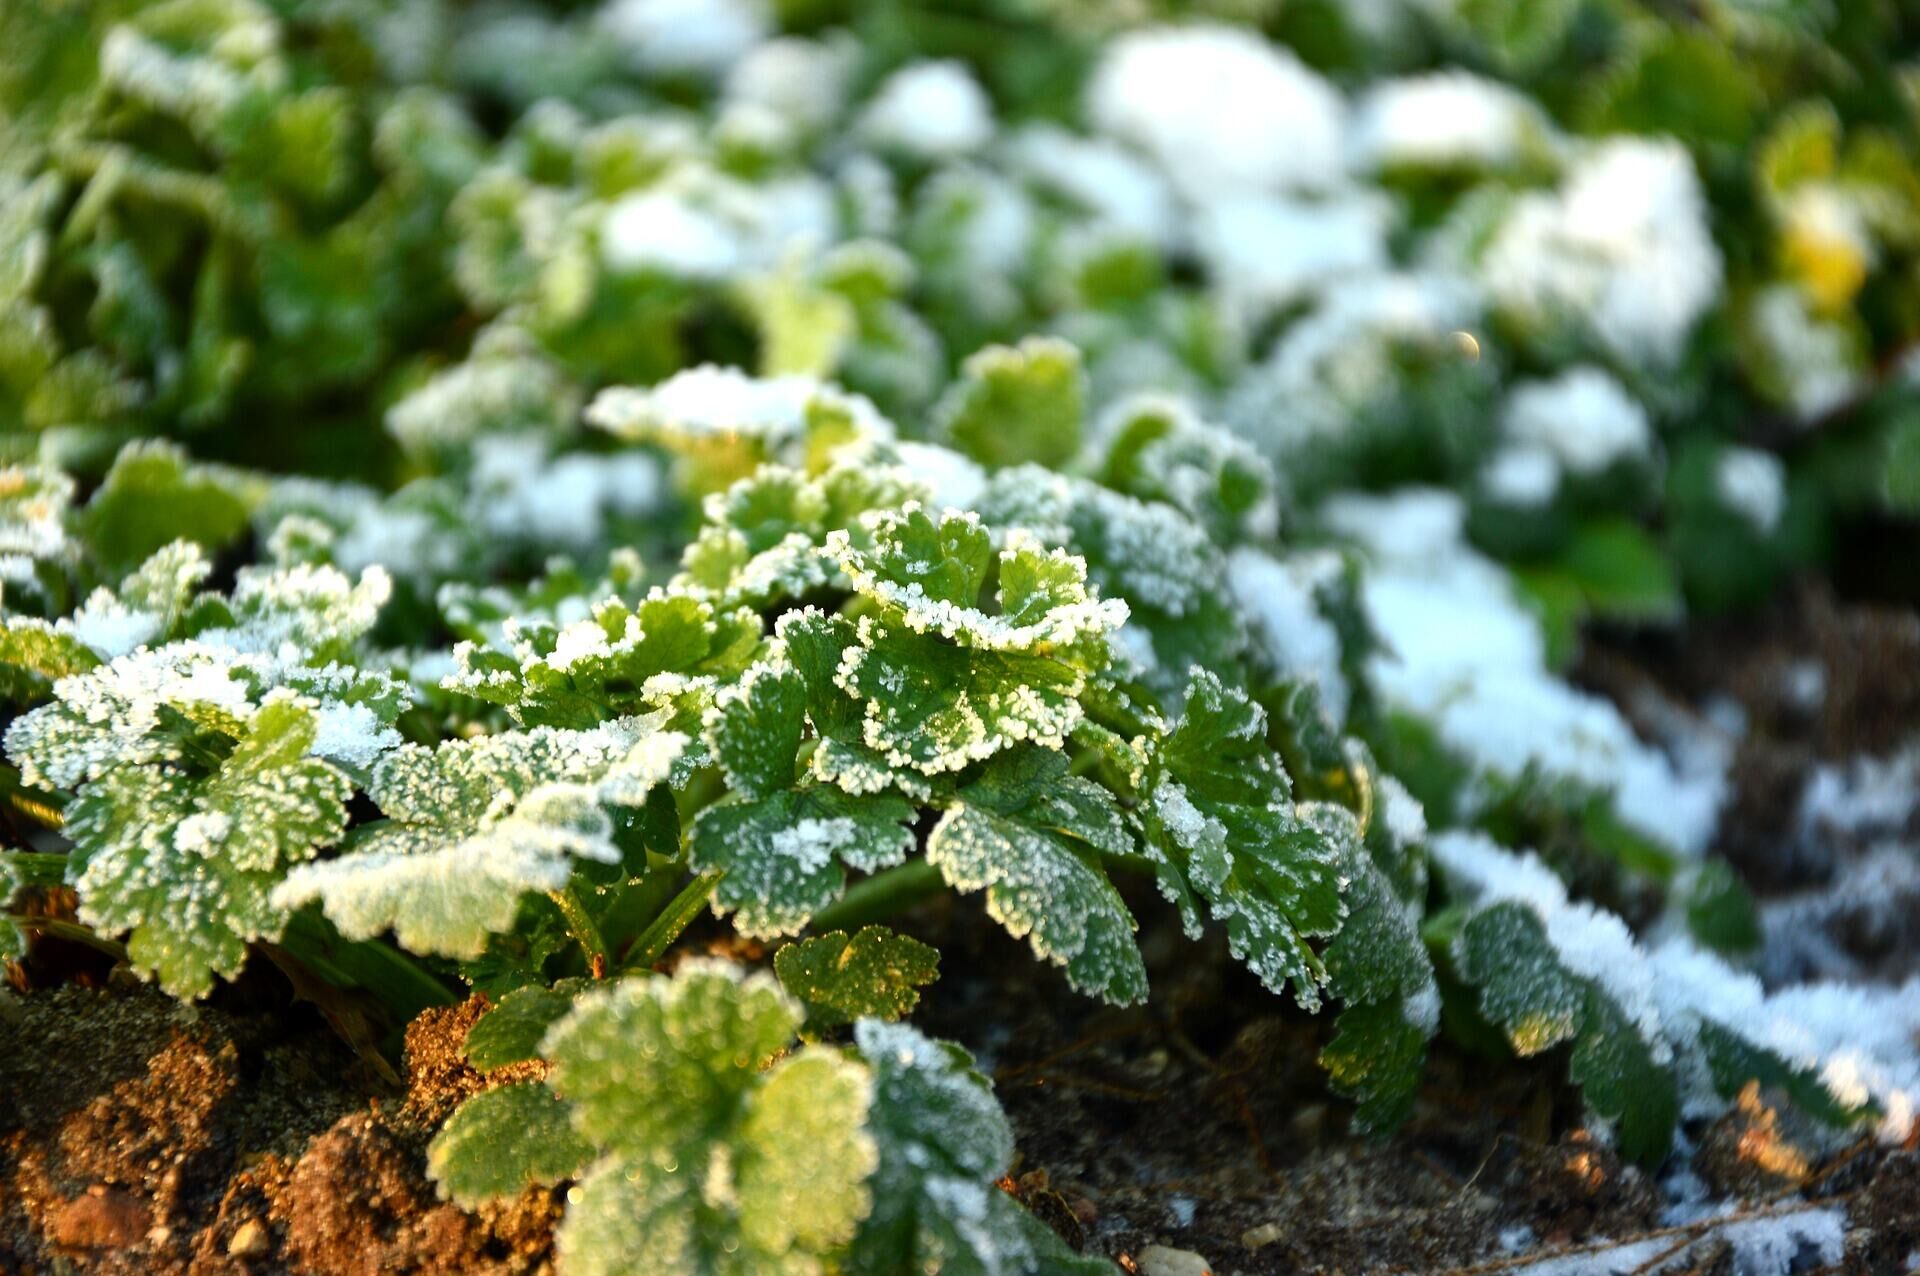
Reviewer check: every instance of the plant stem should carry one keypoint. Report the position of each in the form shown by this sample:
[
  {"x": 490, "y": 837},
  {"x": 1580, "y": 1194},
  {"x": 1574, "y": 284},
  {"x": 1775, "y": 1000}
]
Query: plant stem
[
  {"x": 69, "y": 931},
  {"x": 40, "y": 868},
  {"x": 881, "y": 896},
  {"x": 401, "y": 984},
  {"x": 581, "y": 926},
  {"x": 674, "y": 918}
]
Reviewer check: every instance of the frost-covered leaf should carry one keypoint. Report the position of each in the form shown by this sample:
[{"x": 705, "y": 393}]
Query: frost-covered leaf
[
  {"x": 1015, "y": 404},
  {"x": 1032, "y": 837},
  {"x": 785, "y": 856},
  {"x": 1156, "y": 449},
  {"x": 710, "y": 1162},
  {"x": 474, "y": 825},
  {"x": 1218, "y": 804},
  {"x": 188, "y": 864},
  {"x": 874, "y": 974},
  {"x": 12, "y": 941},
  {"x": 1651, "y": 1031},
  {"x": 942, "y": 680},
  {"x": 943, "y": 1141},
  {"x": 505, "y": 1139},
  {"x": 670, "y": 649},
  {"x": 754, "y": 727}
]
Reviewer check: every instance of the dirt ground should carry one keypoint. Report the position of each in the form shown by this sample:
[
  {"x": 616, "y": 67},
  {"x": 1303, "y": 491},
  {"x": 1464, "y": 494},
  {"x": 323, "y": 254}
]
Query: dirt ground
[{"x": 243, "y": 1136}]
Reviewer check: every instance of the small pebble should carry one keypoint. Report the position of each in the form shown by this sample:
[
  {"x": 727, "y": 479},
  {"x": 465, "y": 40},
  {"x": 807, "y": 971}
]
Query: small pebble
[
  {"x": 1265, "y": 1234},
  {"x": 1158, "y": 1260},
  {"x": 250, "y": 1240}
]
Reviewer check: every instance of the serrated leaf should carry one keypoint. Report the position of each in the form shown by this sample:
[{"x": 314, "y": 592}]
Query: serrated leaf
[
  {"x": 1015, "y": 404},
  {"x": 754, "y": 727},
  {"x": 503, "y": 1140},
  {"x": 875, "y": 974},
  {"x": 1037, "y": 857},
  {"x": 717, "y": 1166},
  {"x": 785, "y": 856},
  {"x": 12, "y": 941}
]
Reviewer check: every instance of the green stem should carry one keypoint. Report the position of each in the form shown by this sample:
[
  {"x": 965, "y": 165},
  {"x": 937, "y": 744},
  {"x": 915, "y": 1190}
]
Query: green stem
[
  {"x": 881, "y": 896},
  {"x": 40, "y": 868},
  {"x": 69, "y": 931},
  {"x": 581, "y": 926},
  {"x": 674, "y": 918}
]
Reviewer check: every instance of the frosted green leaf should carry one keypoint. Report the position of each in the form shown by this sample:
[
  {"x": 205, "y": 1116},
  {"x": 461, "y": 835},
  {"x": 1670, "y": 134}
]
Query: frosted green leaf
[
  {"x": 510, "y": 1032},
  {"x": 711, "y": 1163},
  {"x": 1014, "y": 404},
  {"x": 35, "y": 501},
  {"x": 943, "y": 1141},
  {"x": 1503, "y": 950},
  {"x": 669, "y": 650},
  {"x": 35, "y": 652},
  {"x": 505, "y": 385},
  {"x": 1031, "y": 836},
  {"x": 1376, "y": 1058},
  {"x": 475, "y": 825},
  {"x": 873, "y": 974},
  {"x": 945, "y": 682},
  {"x": 188, "y": 865},
  {"x": 753, "y": 729},
  {"x": 154, "y": 495},
  {"x": 1156, "y": 449},
  {"x": 786, "y": 856},
  {"x": 503, "y": 1140},
  {"x": 816, "y": 645},
  {"x": 1217, "y": 804},
  {"x": 317, "y": 609}
]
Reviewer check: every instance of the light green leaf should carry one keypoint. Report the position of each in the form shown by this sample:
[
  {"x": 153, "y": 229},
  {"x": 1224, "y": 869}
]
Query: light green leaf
[
  {"x": 753, "y": 729},
  {"x": 1015, "y": 404},
  {"x": 503, "y": 1140},
  {"x": 875, "y": 974}
]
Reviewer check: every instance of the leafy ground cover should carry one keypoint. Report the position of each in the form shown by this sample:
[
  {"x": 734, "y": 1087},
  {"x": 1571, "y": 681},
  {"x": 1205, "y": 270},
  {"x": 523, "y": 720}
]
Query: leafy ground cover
[{"x": 700, "y": 565}]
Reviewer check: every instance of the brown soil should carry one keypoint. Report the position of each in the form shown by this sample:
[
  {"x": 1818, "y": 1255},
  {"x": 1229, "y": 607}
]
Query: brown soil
[{"x": 138, "y": 1136}]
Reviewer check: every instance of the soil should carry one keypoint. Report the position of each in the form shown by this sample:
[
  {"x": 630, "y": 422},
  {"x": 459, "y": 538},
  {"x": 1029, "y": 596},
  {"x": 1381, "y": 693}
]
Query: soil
[{"x": 243, "y": 1136}]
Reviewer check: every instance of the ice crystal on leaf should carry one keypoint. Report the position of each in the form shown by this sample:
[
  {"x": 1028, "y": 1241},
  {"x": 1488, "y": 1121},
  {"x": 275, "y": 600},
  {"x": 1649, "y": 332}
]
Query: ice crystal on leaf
[
  {"x": 709, "y": 1161},
  {"x": 474, "y": 825}
]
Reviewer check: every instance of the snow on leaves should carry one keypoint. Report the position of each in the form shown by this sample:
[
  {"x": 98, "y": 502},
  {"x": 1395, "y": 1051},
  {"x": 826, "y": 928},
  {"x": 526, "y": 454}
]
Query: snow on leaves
[
  {"x": 474, "y": 825},
  {"x": 1654, "y": 1033},
  {"x": 711, "y": 1162},
  {"x": 1032, "y": 837}
]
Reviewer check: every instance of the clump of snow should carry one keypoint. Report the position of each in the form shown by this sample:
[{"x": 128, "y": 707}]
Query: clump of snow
[
  {"x": 1277, "y": 597},
  {"x": 1525, "y": 477},
  {"x": 930, "y": 110},
  {"x": 685, "y": 37},
  {"x": 1269, "y": 251},
  {"x": 1100, "y": 176},
  {"x": 1463, "y": 652},
  {"x": 1220, "y": 109},
  {"x": 1623, "y": 248},
  {"x": 1584, "y": 418},
  {"x": 1753, "y": 484},
  {"x": 801, "y": 81},
  {"x": 1446, "y": 119}
]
